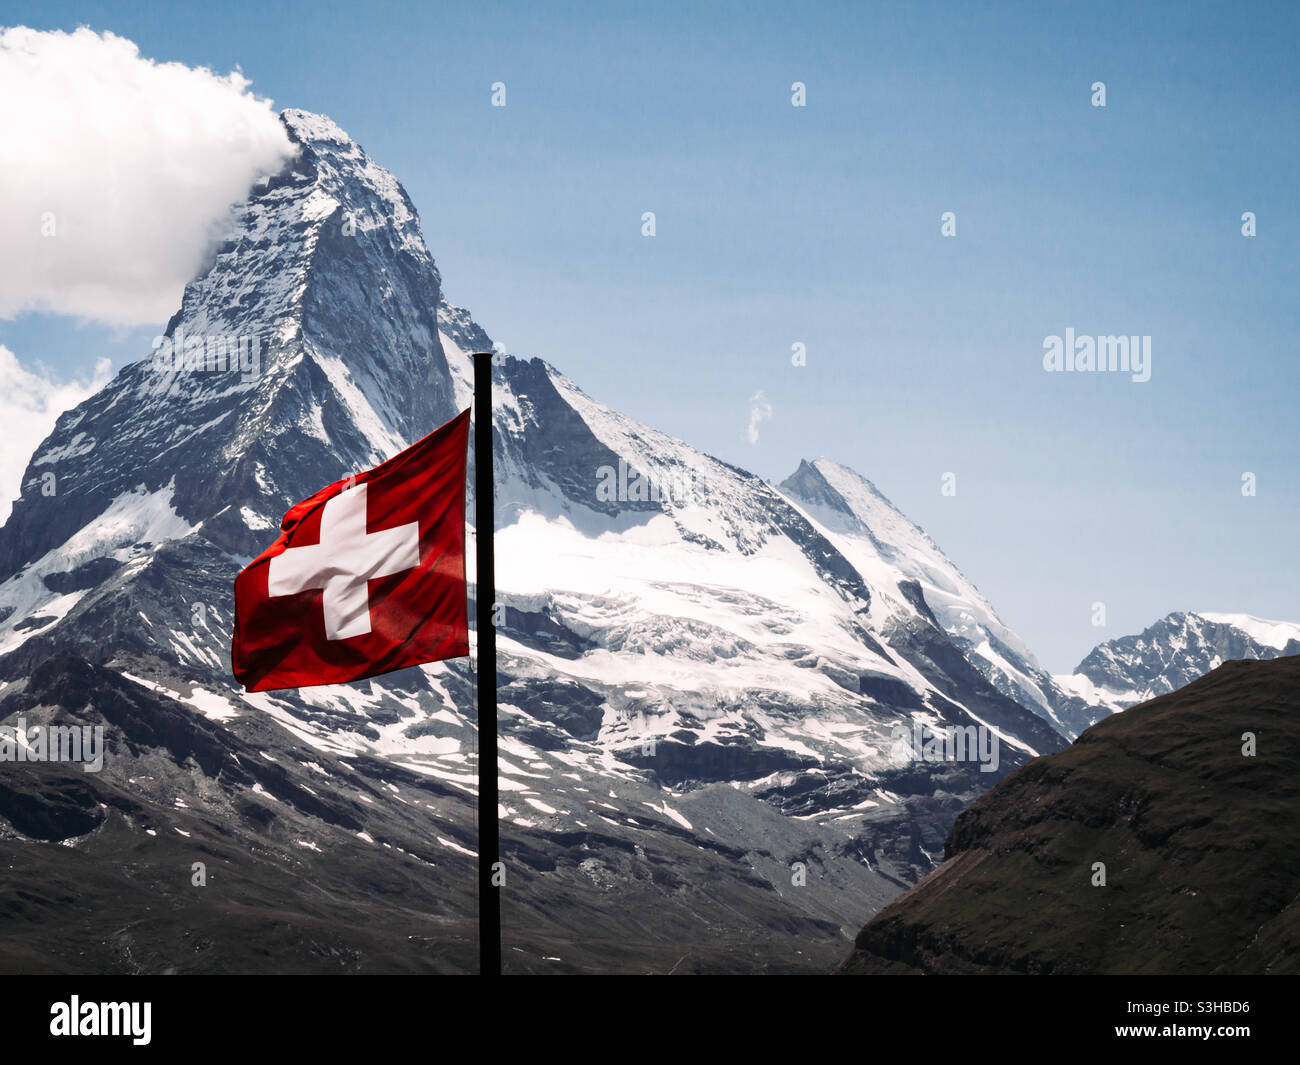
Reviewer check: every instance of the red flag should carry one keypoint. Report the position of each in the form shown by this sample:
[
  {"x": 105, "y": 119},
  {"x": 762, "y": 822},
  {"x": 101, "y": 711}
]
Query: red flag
[{"x": 367, "y": 577}]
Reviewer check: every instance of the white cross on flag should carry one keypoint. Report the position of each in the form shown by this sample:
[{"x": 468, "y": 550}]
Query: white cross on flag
[{"x": 367, "y": 577}]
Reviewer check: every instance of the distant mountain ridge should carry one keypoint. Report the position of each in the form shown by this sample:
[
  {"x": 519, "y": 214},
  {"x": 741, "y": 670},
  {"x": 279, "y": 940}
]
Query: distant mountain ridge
[{"x": 1171, "y": 653}]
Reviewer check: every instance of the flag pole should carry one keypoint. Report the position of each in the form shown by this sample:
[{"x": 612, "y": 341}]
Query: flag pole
[{"x": 489, "y": 832}]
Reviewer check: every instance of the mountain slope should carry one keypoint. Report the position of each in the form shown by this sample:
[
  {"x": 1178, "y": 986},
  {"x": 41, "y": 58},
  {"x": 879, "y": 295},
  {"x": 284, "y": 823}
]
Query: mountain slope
[
  {"x": 1197, "y": 840},
  {"x": 699, "y": 687},
  {"x": 880, "y": 541}
]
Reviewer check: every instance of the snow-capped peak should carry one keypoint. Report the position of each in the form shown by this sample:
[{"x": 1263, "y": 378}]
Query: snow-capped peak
[
  {"x": 308, "y": 126},
  {"x": 892, "y": 552},
  {"x": 1275, "y": 634},
  {"x": 1173, "y": 652}
]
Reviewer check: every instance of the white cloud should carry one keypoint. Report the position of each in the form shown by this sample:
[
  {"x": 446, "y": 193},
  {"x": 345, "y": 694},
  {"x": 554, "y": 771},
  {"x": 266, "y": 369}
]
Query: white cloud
[
  {"x": 132, "y": 164},
  {"x": 30, "y": 403},
  {"x": 759, "y": 410}
]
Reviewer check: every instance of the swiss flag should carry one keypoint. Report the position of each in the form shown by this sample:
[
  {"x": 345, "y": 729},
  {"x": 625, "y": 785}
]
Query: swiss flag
[{"x": 368, "y": 575}]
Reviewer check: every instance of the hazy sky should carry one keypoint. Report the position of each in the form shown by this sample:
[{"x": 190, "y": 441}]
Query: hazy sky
[{"x": 820, "y": 225}]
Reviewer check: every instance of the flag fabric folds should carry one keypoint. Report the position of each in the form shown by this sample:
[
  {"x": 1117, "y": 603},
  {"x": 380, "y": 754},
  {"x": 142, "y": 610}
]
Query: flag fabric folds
[{"x": 367, "y": 576}]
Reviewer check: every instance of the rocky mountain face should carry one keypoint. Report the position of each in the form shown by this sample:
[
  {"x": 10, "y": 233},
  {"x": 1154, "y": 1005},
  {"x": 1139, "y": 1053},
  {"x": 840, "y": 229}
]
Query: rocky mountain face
[
  {"x": 1172, "y": 653},
  {"x": 1161, "y": 842}
]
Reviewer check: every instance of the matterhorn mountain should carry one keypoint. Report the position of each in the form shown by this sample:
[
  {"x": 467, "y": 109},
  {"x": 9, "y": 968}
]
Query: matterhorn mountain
[
  {"x": 703, "y": 677},
  {"x": 1170, "y": 654}
]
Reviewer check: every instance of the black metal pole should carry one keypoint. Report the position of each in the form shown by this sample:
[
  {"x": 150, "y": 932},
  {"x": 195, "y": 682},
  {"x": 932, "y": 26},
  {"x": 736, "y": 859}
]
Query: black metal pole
[{"x": 489, "y": 833}]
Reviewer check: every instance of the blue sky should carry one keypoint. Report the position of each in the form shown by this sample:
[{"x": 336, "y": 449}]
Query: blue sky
[{"x": 821, "y": 225}]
